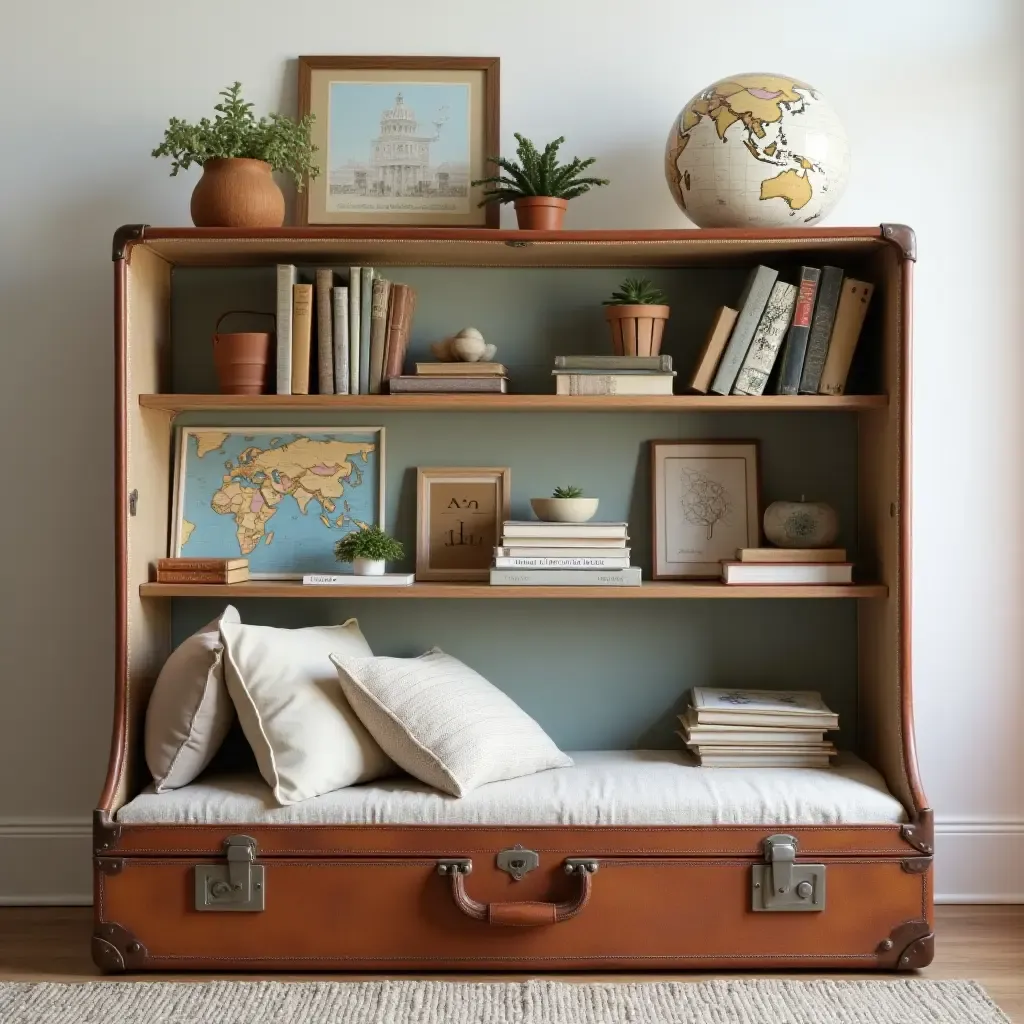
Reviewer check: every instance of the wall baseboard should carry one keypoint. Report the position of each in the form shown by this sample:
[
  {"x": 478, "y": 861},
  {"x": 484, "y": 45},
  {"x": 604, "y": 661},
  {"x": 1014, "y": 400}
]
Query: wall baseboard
[{"x": 48, "y": 862}]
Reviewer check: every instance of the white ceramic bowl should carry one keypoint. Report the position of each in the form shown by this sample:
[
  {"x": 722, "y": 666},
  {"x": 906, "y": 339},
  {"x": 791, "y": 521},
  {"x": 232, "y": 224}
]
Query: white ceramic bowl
[{"x": 564, "y": 510}]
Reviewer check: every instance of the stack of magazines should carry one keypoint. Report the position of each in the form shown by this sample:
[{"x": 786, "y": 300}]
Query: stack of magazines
[{"x": 734, "y": 728}]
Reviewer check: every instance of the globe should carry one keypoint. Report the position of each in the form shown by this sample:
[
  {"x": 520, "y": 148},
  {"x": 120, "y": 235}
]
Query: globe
[{"x": 760, "y": 151}]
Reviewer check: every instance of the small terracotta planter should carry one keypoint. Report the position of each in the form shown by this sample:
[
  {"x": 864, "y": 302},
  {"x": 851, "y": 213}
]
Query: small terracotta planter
[
  {"x": 637, "y": 330},
  {"x": 241, "y": 358},
  {"x": 540, "y": 213},
  {"x": 237, "y": 193}
]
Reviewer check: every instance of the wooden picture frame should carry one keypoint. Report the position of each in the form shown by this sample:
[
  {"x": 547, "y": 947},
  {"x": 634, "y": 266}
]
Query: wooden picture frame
[
  {"x": 459, "y": 516},
  {"x": 378, "y": 165},
  {"x": 698, "y": 487}
]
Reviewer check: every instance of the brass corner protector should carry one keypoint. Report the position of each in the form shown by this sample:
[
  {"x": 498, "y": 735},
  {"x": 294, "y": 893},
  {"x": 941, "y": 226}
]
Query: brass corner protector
[
  {"x": 910, "y": 945},
  {"x": 916, "y": 865},
  {"x": 124, "y": 236},
  {"x": 903, "y": 237},
  {"x": 115, "y": 949},
  {"x": 106, "y": 833},
  {"x": 920, "y": 834}
]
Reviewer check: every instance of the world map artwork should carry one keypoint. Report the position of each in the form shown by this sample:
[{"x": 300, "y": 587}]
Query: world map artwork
[{"x": 281, "y": 499}]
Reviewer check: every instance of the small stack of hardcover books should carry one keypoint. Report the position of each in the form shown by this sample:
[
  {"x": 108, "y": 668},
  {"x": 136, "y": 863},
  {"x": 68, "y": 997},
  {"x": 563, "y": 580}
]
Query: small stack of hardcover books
[
  {"x": 202, "y": 570},
  {"x": 454, "y": 378},
  {"x": 540, "y": 554},
  {"x": 808, "y": 566},
  {"x": 613, "y": 375},
  {"x": 758, "y": 728}
]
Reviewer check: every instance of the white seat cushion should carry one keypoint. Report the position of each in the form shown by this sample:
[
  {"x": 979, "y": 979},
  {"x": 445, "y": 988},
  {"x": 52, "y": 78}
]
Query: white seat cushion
[{"x": 606, "y": 787}]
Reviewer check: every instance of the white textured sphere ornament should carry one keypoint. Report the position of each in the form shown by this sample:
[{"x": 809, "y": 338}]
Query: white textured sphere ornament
[
  {"x": 801, "y": 524},
  {"x": 757, "y": 151}
]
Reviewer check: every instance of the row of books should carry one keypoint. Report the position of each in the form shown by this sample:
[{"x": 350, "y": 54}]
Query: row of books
[
  {"x": 541, "y": 554},
  {"x": 740, "y": 728},
  {"x": 809, "y": 330},
  {"x": 356, "y": 339},
  {"x": 790, "y": 566},
  {"x": 613, "y": 375},
  {"x": 453, "y": 378}
]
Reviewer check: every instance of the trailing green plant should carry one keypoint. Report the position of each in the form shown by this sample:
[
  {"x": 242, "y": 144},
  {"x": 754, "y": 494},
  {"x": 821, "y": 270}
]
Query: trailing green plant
[
  {"x": 636, "y": 291},
  {"x": 372, "y": 543},
  {"x": 567, "y": 492},
  {"x": 537, "y": 174},
  {"x": 285, "y": 144}
]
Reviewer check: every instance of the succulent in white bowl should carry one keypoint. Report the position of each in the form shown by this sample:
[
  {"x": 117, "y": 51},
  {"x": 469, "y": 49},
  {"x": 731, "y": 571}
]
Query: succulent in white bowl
[{"x": 566, "y": 505}]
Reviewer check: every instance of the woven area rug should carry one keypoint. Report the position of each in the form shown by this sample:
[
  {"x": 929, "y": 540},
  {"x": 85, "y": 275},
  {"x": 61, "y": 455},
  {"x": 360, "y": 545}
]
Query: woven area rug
[{"x": 532, "y": 1002}]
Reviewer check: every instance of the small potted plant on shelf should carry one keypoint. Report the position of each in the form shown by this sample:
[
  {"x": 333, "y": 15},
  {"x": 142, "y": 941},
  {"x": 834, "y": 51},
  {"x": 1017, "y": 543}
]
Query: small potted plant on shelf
[
  {"x": 538, "y": 185},
  {"x": 238, "y": 154},
  {"x": 369, "y": 550},
  {"x": 566, "y": 505},
  {"x": 636, "y": 313}
]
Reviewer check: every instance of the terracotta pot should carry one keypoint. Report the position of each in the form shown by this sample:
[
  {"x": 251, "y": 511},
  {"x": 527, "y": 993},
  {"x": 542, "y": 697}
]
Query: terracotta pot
[
  {"x": 237, "y": 193},
  {"x": 540, "y": 213},
  {"x": 241, "y": 358},
  {"x": 636, "y": 330}
]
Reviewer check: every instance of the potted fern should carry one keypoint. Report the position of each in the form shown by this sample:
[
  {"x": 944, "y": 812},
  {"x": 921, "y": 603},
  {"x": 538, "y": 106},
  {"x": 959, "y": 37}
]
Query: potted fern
[
  {"x": 238, "y": 154},
  {"x": 538, "y": 185},
  {"x": 636, "y": 313},
  {"x": 566, "y": 505},
  {"x": 369, "y": 550}
]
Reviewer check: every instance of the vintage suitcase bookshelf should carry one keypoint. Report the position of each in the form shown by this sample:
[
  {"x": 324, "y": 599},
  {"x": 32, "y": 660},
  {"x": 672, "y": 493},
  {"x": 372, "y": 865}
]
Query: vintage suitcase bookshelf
[{"x": 345, "y": 897}]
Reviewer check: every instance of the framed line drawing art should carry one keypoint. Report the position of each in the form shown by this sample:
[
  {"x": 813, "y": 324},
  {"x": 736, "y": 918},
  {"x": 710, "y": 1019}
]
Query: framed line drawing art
[
  {"x": 705, "y": 505},
  {"x": 400, "y": 139},
  {"x": 459, "y": 517},
  {"x": 280, "y": 496}
]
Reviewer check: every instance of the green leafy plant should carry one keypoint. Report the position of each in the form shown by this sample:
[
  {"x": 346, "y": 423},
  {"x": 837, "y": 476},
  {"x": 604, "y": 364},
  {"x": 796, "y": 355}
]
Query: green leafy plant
[
  {"x": 537, "y": 174},
  {"x": 372, "y": 543},
  {"x": 567, "y": 492},
  {"x": 235, "y": 132},
  {"x": 636, "y": 291}
]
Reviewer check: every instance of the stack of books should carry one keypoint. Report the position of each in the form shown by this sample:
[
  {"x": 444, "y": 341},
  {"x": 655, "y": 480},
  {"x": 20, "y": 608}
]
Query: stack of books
[
  {"x": 758, "y": 728},
  {"x": 540, "y": 554},
  {"x": 807, "y": 566},
  {"x": 803, "y": 335},
  {"x": 613, "y": 375},
  {"x": 454, "y": 378},
  {"x": 202, "y": 570}
]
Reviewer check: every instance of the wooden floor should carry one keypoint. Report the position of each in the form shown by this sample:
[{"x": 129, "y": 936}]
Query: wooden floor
[{"x": 983, "y": 944}]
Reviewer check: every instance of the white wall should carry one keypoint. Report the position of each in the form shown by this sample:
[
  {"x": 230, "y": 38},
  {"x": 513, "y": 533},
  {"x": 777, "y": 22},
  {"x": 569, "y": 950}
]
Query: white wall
[{"x": 926, "y": 91}]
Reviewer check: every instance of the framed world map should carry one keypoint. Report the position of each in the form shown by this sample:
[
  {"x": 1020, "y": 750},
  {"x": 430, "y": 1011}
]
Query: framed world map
[{"x": 281, "y": 497}]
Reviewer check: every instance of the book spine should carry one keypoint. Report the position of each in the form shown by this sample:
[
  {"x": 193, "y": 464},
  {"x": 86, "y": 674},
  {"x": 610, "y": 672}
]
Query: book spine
[
  {"x": 218, "y": 565},
  {"x": 751, "y": 306},
  {"x": 355, "y": 302},
  {"x": 461, "y": 370},
  {"x": 378, "y": 330},
  {"x": 399, "y": 309},
  {"x": 567, "y": 562},
  {"x": 711, "y": 352},
  {"x": 341, "y": 340},
  {"x": 351, "y": 580},
  {"x": 566, "y": 577},
  {"x": 286, "y": 275},
  {"x": 613, "y": 384},
  {"x": 821, "y": 329},
  {"x": 795, "y": 348},
  {"x": 853, "y": 307},
  {"x": 611, "y": 364},
  {"x": 767, "y": 340},
  {"x": 526, "y": 550},
  {"x": 302, "y": 333},
  {"x": 324, "y": 332},
  {"x": 365, "y": 309},
  {"x": 174, "y": 576},
  {"x": 447, "y": 385}
]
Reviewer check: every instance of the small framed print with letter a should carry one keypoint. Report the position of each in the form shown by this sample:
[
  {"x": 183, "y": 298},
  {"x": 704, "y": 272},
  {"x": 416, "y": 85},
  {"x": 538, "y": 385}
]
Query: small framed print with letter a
[{"x": 459, "y": 516}]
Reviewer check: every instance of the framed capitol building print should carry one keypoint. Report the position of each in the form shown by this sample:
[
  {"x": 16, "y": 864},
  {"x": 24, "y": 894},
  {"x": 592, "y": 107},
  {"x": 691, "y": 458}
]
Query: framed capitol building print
[
  {"x": 459, "y": 517},
  {"x": 400, "y": 139}
]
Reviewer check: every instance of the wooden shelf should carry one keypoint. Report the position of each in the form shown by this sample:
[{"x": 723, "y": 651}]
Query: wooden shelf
[
  {"x": 512, "y": 403},
  {"x": 649, "y": 590}
]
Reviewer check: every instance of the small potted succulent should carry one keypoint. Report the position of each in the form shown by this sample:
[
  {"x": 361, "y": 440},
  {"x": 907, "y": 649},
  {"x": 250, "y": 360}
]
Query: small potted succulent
[
  {"x": 238, "y": 154},
  {"x": 538, "y": 185},
  {"x": 636, "y": 313},
  {"x": 566, "y": 505},
  {"x": 369, "y": 550}
]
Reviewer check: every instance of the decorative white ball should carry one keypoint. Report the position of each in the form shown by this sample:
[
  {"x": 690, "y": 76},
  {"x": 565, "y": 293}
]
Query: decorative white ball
[
  {"x": 757, "y": 151},
  {"x": 801, "y": 524}
]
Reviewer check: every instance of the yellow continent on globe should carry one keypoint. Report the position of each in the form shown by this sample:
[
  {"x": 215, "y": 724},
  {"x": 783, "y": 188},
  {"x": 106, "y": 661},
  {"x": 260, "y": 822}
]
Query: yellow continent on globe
[{"x": 789, "y": 185}]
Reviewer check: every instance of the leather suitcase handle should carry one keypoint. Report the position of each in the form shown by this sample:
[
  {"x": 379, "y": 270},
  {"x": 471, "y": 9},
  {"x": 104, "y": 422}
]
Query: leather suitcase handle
[{"x": 526, "y": 914}]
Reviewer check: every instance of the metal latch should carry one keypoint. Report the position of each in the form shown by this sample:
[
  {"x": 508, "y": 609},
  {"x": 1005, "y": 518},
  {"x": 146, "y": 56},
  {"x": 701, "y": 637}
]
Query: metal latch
[
  {"x": 237, "y": 885},
  {"x": 783, "y": 884},
  {"x": 517, "y": 862}
]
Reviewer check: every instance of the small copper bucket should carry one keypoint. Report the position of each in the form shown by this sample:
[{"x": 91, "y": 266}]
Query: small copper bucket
[{"x": 241, "y": 358}]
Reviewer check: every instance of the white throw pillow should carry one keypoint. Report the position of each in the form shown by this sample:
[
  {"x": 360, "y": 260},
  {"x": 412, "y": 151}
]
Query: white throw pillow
[
  {"x": 306, "y": 738},
  {"x": 189, "y": 711},
  {"x": 444, "y": 723}
]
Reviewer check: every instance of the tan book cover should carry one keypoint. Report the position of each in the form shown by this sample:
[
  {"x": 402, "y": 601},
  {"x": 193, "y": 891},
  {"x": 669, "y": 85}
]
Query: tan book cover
[
  {"x": 853, "y": 307},
  {"x": 714, "y": 346},
  {"x": 398, "y": 324},
  {"x": 302, "y": 336},
  {"x": 324, "y": 331},
  {"x": 461, "y": 370},
  {"x": 776, "y": 556},
  {"x": 173, "y": 576},
  {"x": 378, "y": 331},
  {"x": 202, "y": 564}
]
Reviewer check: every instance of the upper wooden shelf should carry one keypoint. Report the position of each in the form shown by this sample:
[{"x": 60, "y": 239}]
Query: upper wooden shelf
[{"x": 513, "y": 403}]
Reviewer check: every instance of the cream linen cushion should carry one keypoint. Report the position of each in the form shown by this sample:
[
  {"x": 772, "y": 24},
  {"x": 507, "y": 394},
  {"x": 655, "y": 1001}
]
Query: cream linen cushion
[
  {"x": 189, "y": 712},
  {"x": 306, "y": 738},
  {"x": 444, "y": 723}
]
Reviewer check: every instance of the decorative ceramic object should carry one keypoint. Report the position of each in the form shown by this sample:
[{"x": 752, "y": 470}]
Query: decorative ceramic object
[
  {"x": 368, "y": 566},
  {"x": 636, "y": 313},
  {"x": 241, "y": 358},
  {"x": 468, "y": 346},
  {"x": 237, "y": 193},
  {"x": 761, "y": 151},
  {"x": 540, "y": 213},
  {"x": 801, "y": 524},
  {"x": 564, "y": 510}
]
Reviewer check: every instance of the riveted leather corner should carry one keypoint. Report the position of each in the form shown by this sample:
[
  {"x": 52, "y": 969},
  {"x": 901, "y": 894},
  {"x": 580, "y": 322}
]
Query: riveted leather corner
[
  {"x": 920, "y": 834},
  {"x": 916, "y": 865},
  {"x": 907, "y": 946},
  {"x": 903, "y": 238},
  {"x": 106, "y": 833},
  {"x": 124, "y": 236},
  {"x": 115, "y": 949},
  {"x": 110, "y": 865}
]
